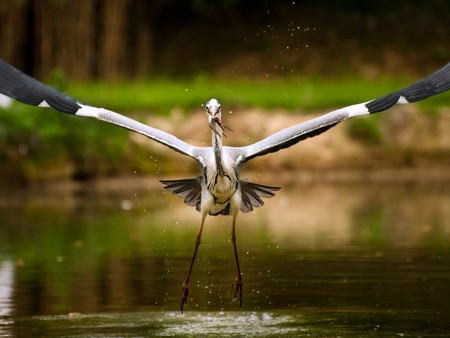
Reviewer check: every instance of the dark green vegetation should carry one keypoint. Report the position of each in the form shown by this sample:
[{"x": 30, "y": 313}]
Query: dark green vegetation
[
  {"x": 293, "y": 93},
  {"x": 229, "y": 38}
]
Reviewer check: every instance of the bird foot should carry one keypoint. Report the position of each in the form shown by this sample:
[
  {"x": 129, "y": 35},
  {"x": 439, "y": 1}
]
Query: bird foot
[
  {"x": 184, "y": 295},
  {"x": 237, "y": 285}
]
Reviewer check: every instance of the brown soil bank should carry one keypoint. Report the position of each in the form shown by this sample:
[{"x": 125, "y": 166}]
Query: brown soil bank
[{"x": 402, "y": 137}]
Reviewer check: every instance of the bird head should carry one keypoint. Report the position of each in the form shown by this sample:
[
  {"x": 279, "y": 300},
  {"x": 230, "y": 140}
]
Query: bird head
[{"x": 214, "y": 114}]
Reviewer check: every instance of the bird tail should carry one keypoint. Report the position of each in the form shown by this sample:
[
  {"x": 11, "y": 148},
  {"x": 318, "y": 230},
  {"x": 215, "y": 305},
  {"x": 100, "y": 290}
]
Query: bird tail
[{"x": 190, "y": 189}]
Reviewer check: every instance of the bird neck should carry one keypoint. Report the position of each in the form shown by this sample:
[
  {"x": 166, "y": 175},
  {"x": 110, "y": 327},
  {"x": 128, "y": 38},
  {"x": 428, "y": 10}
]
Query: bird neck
[{"x": 217, "y": 147}]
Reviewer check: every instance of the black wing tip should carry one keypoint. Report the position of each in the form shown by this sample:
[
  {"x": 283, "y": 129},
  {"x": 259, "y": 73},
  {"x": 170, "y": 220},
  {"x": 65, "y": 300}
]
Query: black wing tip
[
  {"x": 26, "y": 89},
  {"x": 433, "y": 84},
  {"x": 382, "y": 103}
]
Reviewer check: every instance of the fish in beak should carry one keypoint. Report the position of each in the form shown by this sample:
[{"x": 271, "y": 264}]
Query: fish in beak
[{"x": 213, "y": 123}]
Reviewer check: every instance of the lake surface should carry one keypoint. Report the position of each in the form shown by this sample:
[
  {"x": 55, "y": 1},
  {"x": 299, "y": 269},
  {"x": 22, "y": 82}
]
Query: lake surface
[{"x": 318, "y": 260}]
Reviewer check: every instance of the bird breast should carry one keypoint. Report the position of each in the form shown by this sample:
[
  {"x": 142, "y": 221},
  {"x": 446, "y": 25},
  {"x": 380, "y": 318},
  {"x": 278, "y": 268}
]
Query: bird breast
[{"x": 222, "y": 187}]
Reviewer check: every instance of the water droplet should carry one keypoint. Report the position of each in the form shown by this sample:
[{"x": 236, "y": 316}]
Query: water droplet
[{"x": 126, "y": 205}]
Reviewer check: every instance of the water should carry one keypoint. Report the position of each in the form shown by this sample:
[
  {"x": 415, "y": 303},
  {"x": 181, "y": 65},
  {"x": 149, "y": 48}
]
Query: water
[{"x": 318, "y": 260}]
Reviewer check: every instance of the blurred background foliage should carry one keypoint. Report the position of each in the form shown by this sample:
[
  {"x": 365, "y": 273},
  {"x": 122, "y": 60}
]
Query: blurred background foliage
[
  {"x": 99, "y": 39},
  {"x": 150, "y": 58}
]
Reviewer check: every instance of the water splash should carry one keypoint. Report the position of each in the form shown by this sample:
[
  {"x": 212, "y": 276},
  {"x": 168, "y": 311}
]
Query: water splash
[{"x": 230, "y": 324}]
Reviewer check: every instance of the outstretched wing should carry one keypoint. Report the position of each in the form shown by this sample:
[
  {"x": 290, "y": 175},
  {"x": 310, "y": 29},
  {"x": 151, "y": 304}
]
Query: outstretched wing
[
  {"x": 435, "y": 83},
  {"x": 23, "y": 88}
]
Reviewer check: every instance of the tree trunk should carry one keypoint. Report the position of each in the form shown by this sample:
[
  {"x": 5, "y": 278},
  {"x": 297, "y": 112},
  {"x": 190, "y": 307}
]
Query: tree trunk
[{"x": 112, "y": 43}]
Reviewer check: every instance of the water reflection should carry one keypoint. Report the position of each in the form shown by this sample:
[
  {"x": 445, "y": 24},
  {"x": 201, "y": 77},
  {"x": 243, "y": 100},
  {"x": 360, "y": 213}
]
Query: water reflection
[
  {"x": 362, "y": 254},
  {"x": 6, "y": 292},
  {"x": 6, "y": 287}
]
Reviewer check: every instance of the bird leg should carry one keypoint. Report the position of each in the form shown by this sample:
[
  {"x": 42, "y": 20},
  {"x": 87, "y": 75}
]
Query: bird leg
[
  {"x": 185, "y": 287},
  {"x": 238, "y": 283}
]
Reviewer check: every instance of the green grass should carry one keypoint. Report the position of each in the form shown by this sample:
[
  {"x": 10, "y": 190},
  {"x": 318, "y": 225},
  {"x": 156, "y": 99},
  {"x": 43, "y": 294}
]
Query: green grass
[{"x": 306, "y": 94}]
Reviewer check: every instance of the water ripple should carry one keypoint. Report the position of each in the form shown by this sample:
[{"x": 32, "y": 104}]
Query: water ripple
[{"x": 230, "y": 324}]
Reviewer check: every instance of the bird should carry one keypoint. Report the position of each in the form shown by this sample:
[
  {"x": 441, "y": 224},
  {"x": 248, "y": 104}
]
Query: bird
[{"x": 219, "y": 189}]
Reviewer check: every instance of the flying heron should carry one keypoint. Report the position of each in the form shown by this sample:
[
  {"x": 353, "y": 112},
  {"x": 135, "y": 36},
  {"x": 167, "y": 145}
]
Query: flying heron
[{"x": 219, "y": 190}]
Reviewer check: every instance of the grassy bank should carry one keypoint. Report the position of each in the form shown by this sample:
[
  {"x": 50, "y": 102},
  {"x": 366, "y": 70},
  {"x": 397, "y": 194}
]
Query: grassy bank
[
  {"x": 296, "y": 93},
  {"x": 40, "y": 144}
]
